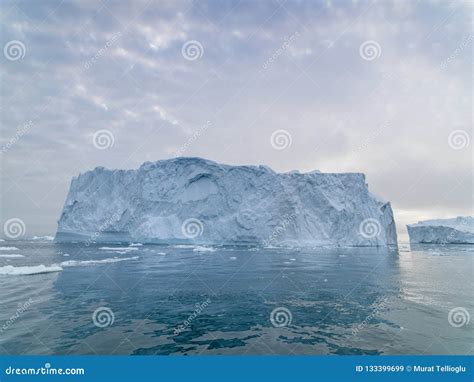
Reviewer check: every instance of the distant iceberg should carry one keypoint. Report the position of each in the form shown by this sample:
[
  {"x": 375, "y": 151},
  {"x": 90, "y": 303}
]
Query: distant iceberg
[
  {"x": 200, "y": 202},
  {"x": 458, "y": 230}
]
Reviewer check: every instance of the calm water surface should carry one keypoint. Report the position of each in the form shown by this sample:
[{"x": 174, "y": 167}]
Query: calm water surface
[{"x": 232, "y": 300}]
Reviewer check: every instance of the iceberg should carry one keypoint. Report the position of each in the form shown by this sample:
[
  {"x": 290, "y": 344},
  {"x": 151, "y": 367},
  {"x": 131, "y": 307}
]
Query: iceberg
[
  {"x": 194, "y": 201},
  {"x": 458, "y": 230}
]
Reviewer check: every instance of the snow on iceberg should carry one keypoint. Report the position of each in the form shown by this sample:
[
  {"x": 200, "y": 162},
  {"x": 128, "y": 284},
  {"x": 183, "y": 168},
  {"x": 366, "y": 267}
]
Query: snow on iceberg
[
  {"x": 200, "y": 202},
  {"x": 458, "y": 230}
]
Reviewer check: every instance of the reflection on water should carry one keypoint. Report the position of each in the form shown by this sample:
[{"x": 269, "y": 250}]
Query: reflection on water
[{"x": 234, "y": 300}]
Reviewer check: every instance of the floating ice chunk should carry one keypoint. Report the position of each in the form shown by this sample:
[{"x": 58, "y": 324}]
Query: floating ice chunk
[
  {"x": 203, "y": 249},
  {"x": 29, "y": 270},
  {"x": 12, "y": 256},
  {"x": 9, "y": 249},
  {"x": 78, "y": 263},
  {"x": 43, "y": 238},
  {"x": 121, "y": 249}
]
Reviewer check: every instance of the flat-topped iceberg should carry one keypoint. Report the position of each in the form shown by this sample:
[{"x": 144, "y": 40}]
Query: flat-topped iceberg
[
  {"x": 197, "y": 201},
  {"x": 458, "y": 230}
]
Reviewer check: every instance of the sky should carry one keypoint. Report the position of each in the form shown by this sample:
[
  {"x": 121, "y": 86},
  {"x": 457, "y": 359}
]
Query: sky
[{"x": 379, "y": 87}]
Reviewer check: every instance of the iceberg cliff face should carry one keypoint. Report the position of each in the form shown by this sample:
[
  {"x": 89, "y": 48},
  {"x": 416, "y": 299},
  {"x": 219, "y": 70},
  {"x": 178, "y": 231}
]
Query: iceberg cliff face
[
  {"x": 192, "y": 200},
  {"x": 459, "y": 230}
]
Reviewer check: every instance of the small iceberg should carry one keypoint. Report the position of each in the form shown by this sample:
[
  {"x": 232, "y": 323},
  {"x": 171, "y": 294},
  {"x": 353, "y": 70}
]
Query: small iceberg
[
  {"x": 458, "y": 230},
  {"x": 12, "y": 256},
  {"x": 29, "y": 270},
  {"x": 135, "y": 245},
  {"x": 9, "y": 249}
]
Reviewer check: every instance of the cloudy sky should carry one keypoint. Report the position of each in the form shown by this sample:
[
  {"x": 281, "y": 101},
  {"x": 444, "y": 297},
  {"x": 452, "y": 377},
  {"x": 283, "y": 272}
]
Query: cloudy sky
[{"x": 383, "y": 88}]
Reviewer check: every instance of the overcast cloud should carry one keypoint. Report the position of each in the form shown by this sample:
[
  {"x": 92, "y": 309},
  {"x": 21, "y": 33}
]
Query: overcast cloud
[{"x": 383, "y": 88}]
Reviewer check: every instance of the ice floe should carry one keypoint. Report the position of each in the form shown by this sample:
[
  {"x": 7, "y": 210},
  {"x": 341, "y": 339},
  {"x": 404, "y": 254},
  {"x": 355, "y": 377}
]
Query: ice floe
[
  {"x": 78, "y": 263},
  {"x": 119, "y": 249},
  {"x": 29, "y": 270},
  {"x": 203, "y": 249}
]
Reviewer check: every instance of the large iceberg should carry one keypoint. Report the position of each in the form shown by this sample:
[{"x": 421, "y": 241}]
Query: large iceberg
[
  {"x": 458, "y": 230},
  {"x": 197, "y": 201}
]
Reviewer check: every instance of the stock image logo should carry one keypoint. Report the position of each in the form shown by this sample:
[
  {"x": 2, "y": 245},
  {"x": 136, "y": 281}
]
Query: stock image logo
[
  {"x": 281, "y": 139},
  {"x": 370, "y": 50},
  {"x": 458, "y": 317},
  {"x": 192, "y": 228},
  {"x": 192, "y": 50},
  {"x": 14, "y": 50},
  {"x": 459, "y": 139},
  {"x": 198, "y": 309},
  {"x": 281, "y": 317},
  {"x": 103, "y": 317},
  {"x": 14, "y": 228},
  {"x": 103, "y": 139},
  {"x": 370, "y": 228}
]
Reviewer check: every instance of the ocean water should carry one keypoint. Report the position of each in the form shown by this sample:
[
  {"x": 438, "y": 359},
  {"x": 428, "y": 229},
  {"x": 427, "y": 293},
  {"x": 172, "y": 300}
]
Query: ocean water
[{"x": 184, "y": 300}]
